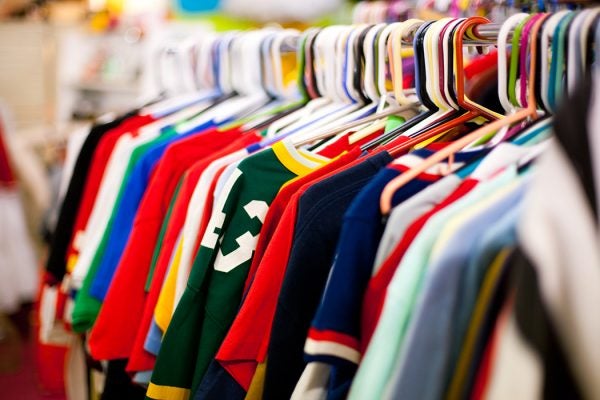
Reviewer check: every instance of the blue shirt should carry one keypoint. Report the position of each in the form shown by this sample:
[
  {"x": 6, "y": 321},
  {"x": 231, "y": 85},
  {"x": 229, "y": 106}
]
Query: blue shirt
[
  {"x": 126, "y": 210},
  {"x": 422, "y": 368}
]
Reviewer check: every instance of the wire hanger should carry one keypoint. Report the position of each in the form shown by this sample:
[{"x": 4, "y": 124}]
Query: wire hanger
[{"x": 448, "y": 151}]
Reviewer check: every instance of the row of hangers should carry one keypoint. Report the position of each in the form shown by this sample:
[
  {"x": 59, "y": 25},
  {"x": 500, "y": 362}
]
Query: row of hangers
[
  {"x": 548, "y": 54},
  {"x": 373, "y": 12},
  {"x": 350, "y": 78}
]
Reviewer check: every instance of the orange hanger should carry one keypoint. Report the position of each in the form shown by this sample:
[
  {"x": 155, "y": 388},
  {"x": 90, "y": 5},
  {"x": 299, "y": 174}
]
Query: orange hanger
[
  {"x": 473, "y": 110},
  {"x": 449, "y": 151}
]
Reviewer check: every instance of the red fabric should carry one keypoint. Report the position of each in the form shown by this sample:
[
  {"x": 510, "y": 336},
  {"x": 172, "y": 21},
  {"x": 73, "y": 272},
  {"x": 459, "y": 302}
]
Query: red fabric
[
  {"x": 377, "y": 287},
  {"x": 114, "y": 332},
  {"x": 94, "y": 178},
  {"x": 481, "y": 64},
  {"x": 343, "y": 144},
  {"x": 140, "y": 359},
  {"x": 7, "y": 177},
  {"x": 485, "y": 367},
  {"x": 246, "y": 343},
  {"x": 333, "y": 336},
  {"x": 49, "y": 359}
]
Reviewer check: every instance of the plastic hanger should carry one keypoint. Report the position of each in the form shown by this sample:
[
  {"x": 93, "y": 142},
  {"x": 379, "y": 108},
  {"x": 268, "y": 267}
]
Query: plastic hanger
[
  {"x": 558, "y": 59},
  {"x": 514, "y": 61},
  {"x": 328, "y": 77},
  {"x": 473, "y": 110},
  {"x": 397, "y": 38},
  {"x": 446, "y": 70},
  {"x": 545, "y": 61},
  {"x": 505, "y": 30},
  {"x": 523, "y": 55},
  {"x": 395, "y": 55},
  {"x": 448, "y": 151},
  {"x": 313, "y": 105},
  {"x": 178, "y": 102},
  {"x": 424, "y": 75},
  {"x": 245, "y": 79},
  {"x": 586, "y": 32},
  {"x": 574, "y": 60},
  {"x": 381, "y": 86}
]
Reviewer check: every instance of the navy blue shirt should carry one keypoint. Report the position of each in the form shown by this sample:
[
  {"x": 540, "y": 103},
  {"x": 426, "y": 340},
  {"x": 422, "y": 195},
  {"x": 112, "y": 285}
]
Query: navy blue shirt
[{"x": 318, "y": 224}]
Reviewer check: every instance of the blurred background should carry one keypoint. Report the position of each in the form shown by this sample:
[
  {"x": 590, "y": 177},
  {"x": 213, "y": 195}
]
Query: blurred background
[{"x": 62, "y": 64}]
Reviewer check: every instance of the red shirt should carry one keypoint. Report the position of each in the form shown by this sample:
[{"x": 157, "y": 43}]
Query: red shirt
[
  {"x": 377, "y": 287},
  {"x": 141, "y": 360},
  {"x": 94, "y": 178},
  {"x": 116, "y": 327},
  {"x": 246, "y": 343}
]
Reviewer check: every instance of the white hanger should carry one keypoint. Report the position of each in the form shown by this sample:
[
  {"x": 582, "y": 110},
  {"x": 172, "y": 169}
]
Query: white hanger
[
  {"x": 505, "y": 31},
  {"x": 547, "y": 33}
]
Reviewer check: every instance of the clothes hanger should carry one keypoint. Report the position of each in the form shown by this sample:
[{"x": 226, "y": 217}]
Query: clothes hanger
[
  {"x": 170, "y": 104},
  {"x": 338, "y": 107},
  {"x": 395, "y": 50},
  {"x": 588, "y": 46},
  {"x": 381, "y": 72},
  {"x": 505, "y": 31},
  {"x": 514, "y": 61},
  {"x": 357, "y": 111},
  {"x": 473, "y": 110},
  {"x": 311, "y": 86},
  {"x": 547, "y": 33},
  {"x": 574, "y": 60},
  {"x": 285, "y": 95},
  {"x": 353, "y": 81},
  {"x": 558, "y": 59},
  {"x": 240, "y": 59},
  {"x": 521, "y": 72},
  {"x": 584, "y": 44},
  {"x": 397, "y": 38},
  {"x": 448, "y": 151}
]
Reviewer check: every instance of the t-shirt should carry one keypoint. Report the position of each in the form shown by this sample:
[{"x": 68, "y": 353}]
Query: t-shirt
[
  {"x": 421, "y": 369},
  {"x": 139, "y": 359},
  {"x": 318, "y": 224},
  {"x": 114, "y": 332},
  {"x": 377, "y": 287},
  {"x": 504, "y": 154},
  {"x": 196, "y": 221},
  {"x": 131, "y": 190},
  {"x": 126, "y": 153},
  {"x": 334, "y": 337},
  {"x": 387, "y": 340},
  {"x": 456, "y": 386},
  {"x": 118, "y": 233},
  {"x": 215, "y": 285},
  {"x": 56, "y": 264},
  {"x": 92, "y": 185},
  {"x": 405, "y": 213},
  {"x": 246, "y": 342}
]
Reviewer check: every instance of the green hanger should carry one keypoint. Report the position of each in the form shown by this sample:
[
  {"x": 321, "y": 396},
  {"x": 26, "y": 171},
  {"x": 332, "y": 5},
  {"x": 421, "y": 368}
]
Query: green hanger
[{"x": 514, "y": 62}]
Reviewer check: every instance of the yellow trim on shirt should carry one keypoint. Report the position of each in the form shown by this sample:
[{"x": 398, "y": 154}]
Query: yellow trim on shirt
[
  {"x": 71, "y": 261},
  {"x": 257, "y": 386},
  {"x": 163, "y": 310},
  {"x": 167, "y": 392},
  {"x": 468, "y": 347},
  {"x": 298, "y": 163}
]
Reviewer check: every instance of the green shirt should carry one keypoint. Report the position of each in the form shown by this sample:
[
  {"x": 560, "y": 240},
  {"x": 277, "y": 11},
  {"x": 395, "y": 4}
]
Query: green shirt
[{"x": 214, "y": 289}]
